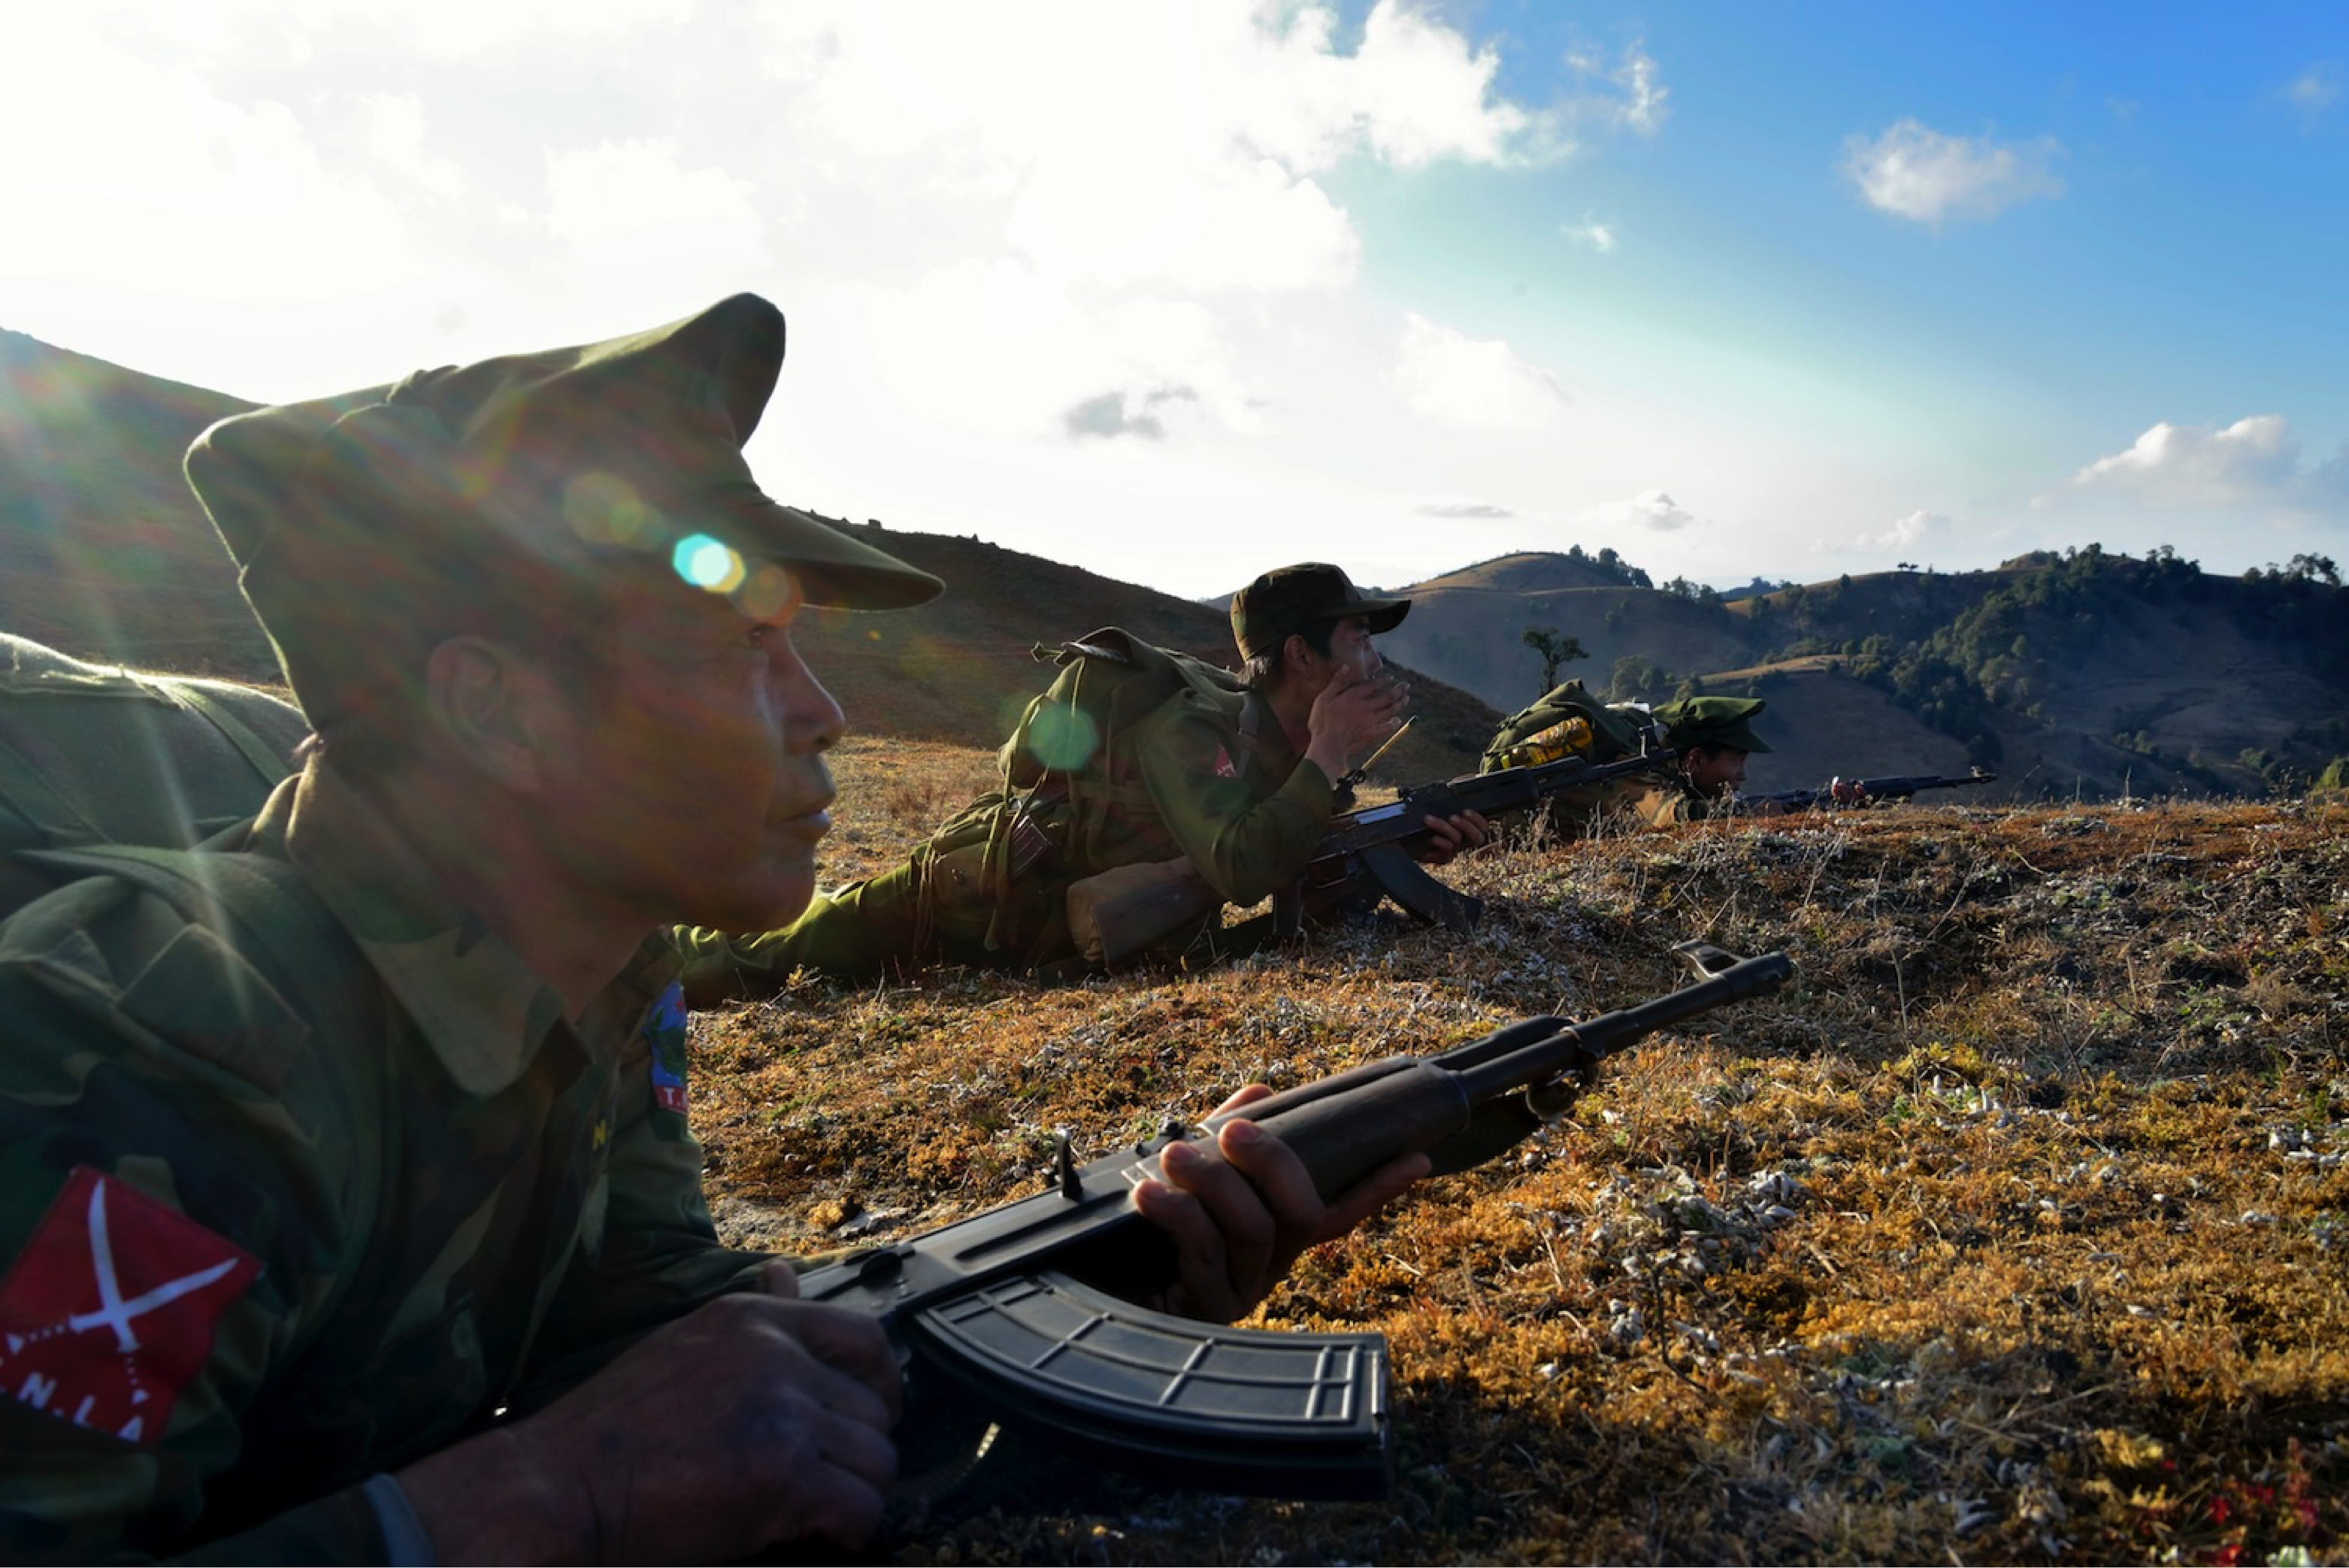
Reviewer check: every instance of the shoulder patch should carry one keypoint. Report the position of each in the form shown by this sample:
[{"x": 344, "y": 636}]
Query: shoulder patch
[
  {"x": 665, "y": 1035},
  {"x": 108, "y": 1311}
]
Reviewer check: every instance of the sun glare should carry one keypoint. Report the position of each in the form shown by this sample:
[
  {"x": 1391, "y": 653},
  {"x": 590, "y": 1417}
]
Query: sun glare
[{"x": 707, "y": 563}]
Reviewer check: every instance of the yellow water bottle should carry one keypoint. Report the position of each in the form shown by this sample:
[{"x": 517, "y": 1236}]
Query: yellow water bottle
[{"x": 1571, "y": 734}]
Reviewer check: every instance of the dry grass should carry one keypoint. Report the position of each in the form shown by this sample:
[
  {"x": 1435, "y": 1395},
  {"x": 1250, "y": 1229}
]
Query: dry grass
[{"x": 2014, "y": 1233}]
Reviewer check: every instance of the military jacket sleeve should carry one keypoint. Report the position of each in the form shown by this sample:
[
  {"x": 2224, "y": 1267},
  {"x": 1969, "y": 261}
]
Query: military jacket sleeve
[
  {"x": 255, "y": 1254},
  {"x": 177, "y": 1182},
  {"x": 1247, "y": 825},
  {"x": 1661, "y": 802}
]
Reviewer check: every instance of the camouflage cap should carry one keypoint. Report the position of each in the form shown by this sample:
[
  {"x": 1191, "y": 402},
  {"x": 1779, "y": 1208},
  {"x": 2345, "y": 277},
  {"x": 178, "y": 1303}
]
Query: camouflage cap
[
  {"x": 1291, "y": 598},
  {"x": 1711, "y": 721},
  {"x": 368, "y": 527}
]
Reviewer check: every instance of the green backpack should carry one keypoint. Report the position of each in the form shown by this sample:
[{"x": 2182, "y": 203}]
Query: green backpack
[
  {"x": 1567, "y": 722},
  {"x": 1068, "y": 800},
  {"x": 93, "y": 755}
]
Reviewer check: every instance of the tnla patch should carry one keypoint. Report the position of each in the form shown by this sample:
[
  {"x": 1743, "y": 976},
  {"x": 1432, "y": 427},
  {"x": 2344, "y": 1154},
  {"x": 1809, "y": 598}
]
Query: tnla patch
[
  {"x": 109, "y": 1309},
  {"x": 665, "y": 1033},
  {"x": 1224, "y": 768}
]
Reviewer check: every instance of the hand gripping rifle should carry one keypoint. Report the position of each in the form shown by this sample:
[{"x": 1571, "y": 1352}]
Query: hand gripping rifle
[
  {"x": 1365, "y": 853},
  {"x": 1900, "y": 787},
  {"x": 1013, "y": 1309}
]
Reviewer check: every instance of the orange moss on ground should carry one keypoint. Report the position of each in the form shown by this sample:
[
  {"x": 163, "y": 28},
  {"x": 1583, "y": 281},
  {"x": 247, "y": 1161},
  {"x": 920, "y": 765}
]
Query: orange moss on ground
[{"x": 2013, "y": 1233}]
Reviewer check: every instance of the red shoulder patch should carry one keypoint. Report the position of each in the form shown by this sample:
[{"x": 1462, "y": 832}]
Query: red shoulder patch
[
  {"x": 1224, "y": 768},
  {"x": 108, "y": 1311}
]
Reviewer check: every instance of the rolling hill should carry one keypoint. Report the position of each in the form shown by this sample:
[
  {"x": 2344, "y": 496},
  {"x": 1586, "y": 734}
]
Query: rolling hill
[{"x": 2084, "y": 673}]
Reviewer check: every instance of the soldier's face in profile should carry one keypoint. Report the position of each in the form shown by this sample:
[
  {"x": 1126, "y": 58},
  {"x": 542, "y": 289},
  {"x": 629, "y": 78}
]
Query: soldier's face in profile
[
  {"x": 1714, "y": 771},
  {"x": 701, "y": 791},
  {"x": 1349, "y": 644}
]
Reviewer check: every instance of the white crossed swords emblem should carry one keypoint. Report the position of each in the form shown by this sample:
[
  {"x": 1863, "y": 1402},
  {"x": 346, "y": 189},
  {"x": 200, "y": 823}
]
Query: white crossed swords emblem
[{"x": 113, "y": 1312}]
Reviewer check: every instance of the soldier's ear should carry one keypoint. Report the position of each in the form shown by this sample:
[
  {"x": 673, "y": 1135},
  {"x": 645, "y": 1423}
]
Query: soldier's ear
[{"x": 484, "y": 698}]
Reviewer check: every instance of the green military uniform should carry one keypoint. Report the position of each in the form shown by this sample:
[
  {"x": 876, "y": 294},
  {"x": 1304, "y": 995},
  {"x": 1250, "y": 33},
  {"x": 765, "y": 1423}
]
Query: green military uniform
[
  {"x": 1208, "y": 775},
  {"x": 459, "y": 1193},
  {"x": 1710, "y": 721},
  {"x": 95, "y": 754},
  {"x": 1547, "y": 729},
  {"x": 1569, "y": 720},
  {"x": 304, "y": 1172}
]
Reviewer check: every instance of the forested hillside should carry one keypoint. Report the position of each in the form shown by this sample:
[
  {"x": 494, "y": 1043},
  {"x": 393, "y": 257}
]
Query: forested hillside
[{"x": 2088, "y": 671}]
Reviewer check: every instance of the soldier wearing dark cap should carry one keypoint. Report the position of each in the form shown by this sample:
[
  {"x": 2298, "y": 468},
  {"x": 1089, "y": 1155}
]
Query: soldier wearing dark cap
[
  {"x": 1707, "y": 738},
  {"x": 341, "y": 1158},
  {"x": 1710, "y": 738},
  {"x": 1236, "y": 785}
]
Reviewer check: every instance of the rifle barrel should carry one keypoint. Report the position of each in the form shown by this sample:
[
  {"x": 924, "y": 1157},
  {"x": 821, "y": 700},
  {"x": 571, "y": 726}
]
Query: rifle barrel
[{"x": 1611, "y": 1032}]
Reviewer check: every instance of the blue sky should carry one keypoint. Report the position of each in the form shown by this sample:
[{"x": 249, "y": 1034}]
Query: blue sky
[{"x": 1178, "y": 293}]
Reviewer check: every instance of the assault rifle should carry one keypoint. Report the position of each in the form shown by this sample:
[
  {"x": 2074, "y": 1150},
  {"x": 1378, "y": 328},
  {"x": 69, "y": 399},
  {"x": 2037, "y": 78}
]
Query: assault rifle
[
  {"x": 1900, "y": 787},
  {"x": 1364, "y": 853},
  {"x": 1007, "y": 1313}
]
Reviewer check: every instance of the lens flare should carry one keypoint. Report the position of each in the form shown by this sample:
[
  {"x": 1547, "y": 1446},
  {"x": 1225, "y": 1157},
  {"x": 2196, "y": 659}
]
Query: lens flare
[
  {"x": 707, "y": 563},
  {"x": 1063, "y": 738},
  {"x": 603, "y": 510},
  {"x": 766, "y": 594}
]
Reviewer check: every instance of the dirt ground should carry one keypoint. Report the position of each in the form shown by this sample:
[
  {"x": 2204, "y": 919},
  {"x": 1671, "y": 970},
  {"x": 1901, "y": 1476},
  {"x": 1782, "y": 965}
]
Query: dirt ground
[{"x": 2013, "y": 1232}]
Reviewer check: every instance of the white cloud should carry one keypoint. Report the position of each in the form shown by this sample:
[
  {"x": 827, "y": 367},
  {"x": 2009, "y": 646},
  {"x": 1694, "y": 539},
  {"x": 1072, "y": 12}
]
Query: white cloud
[
  {"x": 1905, "y": 532},
  {"x": 1914, "y": 172},
  {"x": 1468, "y": 381},
  {"x": 2253, "y": 463},
  {"x": 635, "y": 210},
  {"x": 1651, "y": 510},
  {"x": 1421, "y": 94},
  {"x": 1634, "y": 96},
  {"x": 1087, "y": 213},
  {"x": 236, "y": 196},
  {"x": 1464, "y": 510},
  {"x": 1593, "y": 233},
  {"x": 2315, "y": 91},
  {"x": 395, "y": 136}
]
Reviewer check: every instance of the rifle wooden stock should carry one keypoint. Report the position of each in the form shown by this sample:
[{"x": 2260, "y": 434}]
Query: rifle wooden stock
[
  {"x": 1898, "y": 787},
  {"x": 1369, "y": 850},
  {"x": 1024, "y": 1311}
]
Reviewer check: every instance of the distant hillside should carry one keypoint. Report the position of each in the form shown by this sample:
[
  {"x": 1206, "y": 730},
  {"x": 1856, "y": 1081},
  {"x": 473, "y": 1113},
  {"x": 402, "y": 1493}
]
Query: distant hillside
[
  {"x": 1540, "y": 571},
  {"x": 2087, "y": 672},
  {"x": 103, "y": 552}
]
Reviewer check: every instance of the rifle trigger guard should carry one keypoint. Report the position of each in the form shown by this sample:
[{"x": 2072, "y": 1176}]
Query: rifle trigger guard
[
  {"x": 1705, "y": 958},
  {"x": 1554, "y": 1097}
]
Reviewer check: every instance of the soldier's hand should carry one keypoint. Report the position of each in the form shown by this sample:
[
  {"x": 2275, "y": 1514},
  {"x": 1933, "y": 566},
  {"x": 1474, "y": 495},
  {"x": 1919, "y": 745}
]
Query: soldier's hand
[
  {"x": 1352, "y": 715},
  {"x": 1447, "y": 836},
  {"x": 750, "y": 1421},
  {"x": 1847, "y": 792},
  {"x": 1240, "y": 1217}
]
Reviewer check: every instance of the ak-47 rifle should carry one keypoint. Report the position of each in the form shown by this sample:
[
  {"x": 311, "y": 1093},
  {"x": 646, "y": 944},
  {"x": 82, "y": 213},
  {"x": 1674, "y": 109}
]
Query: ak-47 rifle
[
  {"x": 1898, "y": 787},
  {"x": 1365, "y": 853},
  {"x": 1013, "y": 1310}
]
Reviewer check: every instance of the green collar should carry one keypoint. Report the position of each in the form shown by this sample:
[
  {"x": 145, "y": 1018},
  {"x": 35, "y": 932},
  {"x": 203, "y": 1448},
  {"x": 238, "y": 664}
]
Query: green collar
[{"x": 485, "y": 1012}]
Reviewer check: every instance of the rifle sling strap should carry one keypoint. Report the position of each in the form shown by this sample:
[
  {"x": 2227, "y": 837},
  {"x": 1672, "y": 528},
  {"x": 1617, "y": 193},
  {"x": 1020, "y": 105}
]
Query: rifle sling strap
[
  {"x": 26, "y": 788},
  {"x": 255, "y": 750}
]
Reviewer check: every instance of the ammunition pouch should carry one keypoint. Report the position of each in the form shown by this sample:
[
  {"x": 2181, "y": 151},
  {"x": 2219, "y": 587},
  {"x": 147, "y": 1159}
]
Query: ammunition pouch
[
  {"x": 989, "y": 879},
  {"x": 1087, "y": 896}
]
